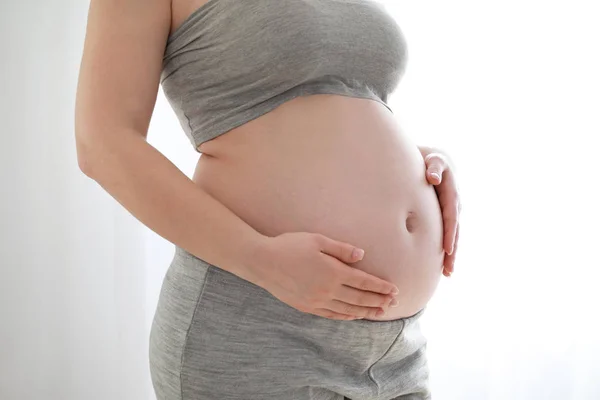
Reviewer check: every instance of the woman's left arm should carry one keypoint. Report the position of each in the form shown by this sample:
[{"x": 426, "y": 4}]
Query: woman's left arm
[{"x": 440, "y": 173}]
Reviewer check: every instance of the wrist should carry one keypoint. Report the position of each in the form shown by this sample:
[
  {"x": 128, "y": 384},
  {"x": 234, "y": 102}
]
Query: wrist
[{"x": 256, "y": 259}]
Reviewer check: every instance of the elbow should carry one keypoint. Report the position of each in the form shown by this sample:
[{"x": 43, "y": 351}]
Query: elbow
[
  {"x": 97, "y": 149},
  {"x": 84, "y": 165},
  {"x": 85, "y": 156}
]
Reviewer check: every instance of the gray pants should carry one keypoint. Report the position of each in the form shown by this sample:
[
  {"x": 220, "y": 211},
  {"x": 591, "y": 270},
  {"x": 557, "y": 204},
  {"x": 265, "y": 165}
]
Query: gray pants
[{"x": 216, "y": 336}]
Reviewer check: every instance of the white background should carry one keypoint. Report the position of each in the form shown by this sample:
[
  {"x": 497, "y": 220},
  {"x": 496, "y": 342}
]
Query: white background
[{"x": 510, "y": 89}]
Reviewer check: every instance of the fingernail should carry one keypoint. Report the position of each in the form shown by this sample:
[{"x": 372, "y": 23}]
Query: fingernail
[
  {"x": 394, "y": 303},
  {"x": 395, "y": 290},
  {"x": 358, "y": 254},
  {"x": 435, "y": 175}
]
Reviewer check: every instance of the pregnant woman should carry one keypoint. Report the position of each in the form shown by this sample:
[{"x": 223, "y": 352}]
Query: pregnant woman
[{"x": 302, "y": 166}]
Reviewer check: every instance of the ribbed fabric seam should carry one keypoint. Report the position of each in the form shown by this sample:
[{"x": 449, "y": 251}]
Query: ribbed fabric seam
[
  {"x": 187, "y": 334},
  {"x": 370, "y": 370}
]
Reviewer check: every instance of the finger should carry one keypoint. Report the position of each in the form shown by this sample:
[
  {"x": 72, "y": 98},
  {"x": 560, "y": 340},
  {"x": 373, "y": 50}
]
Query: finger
[
  {"x": 342, "y": 251},
  {"x": 449, "y": 265},
  {"x": 362, "y": 298},
  {"x": 363, "y": 281},
  {"x": 351, "y": 309},
  {"x": 450, "y": 205},
  {"x": 450, "y": 217},
  {"x": 435, "y": 164},
  {"x": 326, "y": 313},
  {"x": 447, "y": 190},
  {"x": 452, "y": 245},
  {"x": 450, "y": 258}
]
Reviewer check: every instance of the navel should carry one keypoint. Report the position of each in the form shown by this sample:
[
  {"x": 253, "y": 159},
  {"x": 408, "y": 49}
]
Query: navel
[{"x": 411, "y": 221}]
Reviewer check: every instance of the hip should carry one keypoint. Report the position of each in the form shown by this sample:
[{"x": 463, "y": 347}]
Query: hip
[{"x": 218, "y": 336}]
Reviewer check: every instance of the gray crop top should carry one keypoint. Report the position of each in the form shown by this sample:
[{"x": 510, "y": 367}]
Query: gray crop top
[{"x": 232, "y": 61}]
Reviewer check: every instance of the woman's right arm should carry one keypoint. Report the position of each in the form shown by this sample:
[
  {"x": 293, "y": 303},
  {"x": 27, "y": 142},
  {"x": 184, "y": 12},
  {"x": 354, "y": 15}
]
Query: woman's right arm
[{"x": 116, "y": 94}]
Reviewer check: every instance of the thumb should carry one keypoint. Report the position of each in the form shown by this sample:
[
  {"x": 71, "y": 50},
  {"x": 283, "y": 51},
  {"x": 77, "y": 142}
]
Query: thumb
[
  {"x": 342, "y": 251},
  {"x": 436, "y": 164},
  {"x": 434, "y": 175}
]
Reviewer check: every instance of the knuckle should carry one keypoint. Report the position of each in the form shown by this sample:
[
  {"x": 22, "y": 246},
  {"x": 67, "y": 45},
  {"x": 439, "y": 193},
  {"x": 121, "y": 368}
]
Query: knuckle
[
  {"x": 348, "y": 309},
  {"x": 336, "y": 275},
  {"x": 319, "y": 312},
  {"x": 325, "y": 292},
  {"x": 437, "y": 158},
  {"x": 364, "y": 300},
  {"x": 360, "y": 299},
  {"x": 302, "y": 309},
  {"x": 318, "y": 239},
  {"x": 449, "y": 218},
  {"x": 364, "y": 284},
  {"x": 431, "y": 156},
  {"x": 313, "y": 301}
]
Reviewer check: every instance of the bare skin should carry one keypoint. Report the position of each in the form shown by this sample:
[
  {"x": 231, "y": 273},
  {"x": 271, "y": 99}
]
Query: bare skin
[
  {"x": 324, "y": 174},
  {"x": 334, "y": 165},
  {"x": 338, "y": 166}
]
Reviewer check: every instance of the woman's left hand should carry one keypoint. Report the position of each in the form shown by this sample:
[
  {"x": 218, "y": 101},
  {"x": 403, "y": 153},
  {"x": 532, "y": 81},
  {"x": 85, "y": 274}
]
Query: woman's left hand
[{"x": 439, "y": 173}]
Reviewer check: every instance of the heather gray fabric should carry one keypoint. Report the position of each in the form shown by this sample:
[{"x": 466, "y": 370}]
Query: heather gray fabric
[
  {"x": 216, "y": 336},
  {"x": 232, "y": 61}
]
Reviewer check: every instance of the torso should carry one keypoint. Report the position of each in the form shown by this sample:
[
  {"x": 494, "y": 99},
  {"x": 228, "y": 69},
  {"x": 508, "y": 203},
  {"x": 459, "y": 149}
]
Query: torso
[{"x": 335, "y": 165}]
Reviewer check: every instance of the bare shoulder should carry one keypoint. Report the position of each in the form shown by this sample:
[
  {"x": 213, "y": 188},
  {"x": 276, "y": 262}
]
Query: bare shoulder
[{"x": 120, "y": 67}]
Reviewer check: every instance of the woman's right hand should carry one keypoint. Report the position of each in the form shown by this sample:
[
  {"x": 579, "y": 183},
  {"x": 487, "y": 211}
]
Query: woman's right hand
[{"x": 308, "y": 271}]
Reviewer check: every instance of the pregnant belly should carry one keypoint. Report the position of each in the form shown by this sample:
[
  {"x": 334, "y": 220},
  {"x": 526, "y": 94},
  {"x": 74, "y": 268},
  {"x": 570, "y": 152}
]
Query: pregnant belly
[{"x": 339, "y": 166}]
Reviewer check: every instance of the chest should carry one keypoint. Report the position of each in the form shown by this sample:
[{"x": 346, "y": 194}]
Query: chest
[{"x": 306, "y": 37}]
